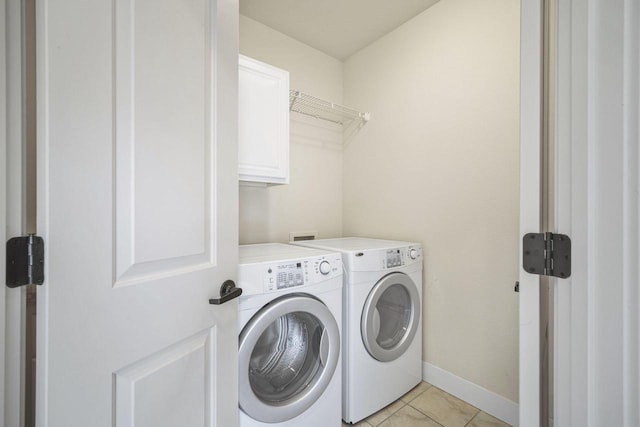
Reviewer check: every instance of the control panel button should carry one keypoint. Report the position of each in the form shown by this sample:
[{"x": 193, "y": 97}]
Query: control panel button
[
  {"x": 324, "y": 267},
  {"x": 413, "y": 254}
]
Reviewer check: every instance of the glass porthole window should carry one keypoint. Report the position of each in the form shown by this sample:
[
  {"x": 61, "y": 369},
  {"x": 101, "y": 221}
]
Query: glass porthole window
[
  {"x": 286, "y": 358},
  {"x": 288, "y": 353},
  {"x": 390, "y": 317}
]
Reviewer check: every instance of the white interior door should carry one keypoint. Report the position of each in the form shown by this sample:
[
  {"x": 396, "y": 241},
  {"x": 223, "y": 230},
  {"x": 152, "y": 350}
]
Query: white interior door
[
  {"x": 530, "y": 205},
  {"x": 597, "y": 337},
  {"x": 137, "y": 204}
]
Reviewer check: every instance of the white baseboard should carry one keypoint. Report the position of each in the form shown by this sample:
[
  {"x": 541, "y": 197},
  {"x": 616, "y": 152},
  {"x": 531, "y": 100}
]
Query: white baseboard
[{"x": 483, "y": 399}]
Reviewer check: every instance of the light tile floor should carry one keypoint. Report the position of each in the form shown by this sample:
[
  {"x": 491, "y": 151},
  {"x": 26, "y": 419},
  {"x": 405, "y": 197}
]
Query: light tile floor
[{"x": 428, "y": 406}]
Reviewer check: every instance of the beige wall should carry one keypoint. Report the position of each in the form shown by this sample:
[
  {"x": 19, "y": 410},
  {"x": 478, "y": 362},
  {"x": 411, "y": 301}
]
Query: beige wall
[
  {"x": 438, "y": 163},
  {"x": 313, "y": 199}
]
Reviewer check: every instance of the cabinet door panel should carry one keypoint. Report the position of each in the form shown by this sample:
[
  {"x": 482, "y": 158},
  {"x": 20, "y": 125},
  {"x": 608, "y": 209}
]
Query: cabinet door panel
[{"x": 263, "y": 134}]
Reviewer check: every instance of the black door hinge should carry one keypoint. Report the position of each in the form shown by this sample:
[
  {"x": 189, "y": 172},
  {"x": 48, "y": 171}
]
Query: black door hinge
[
  {"x": 25, "y": 261},
  {"x": 547, "y": 254}
]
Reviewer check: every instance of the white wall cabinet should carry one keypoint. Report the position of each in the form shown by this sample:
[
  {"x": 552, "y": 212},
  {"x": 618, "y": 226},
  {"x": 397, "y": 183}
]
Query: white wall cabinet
[{"x": 263, "y": 132}]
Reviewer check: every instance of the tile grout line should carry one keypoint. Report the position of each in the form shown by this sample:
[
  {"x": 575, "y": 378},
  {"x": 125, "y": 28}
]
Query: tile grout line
[
  {"x": 414, "y": 408},
  {"x": 393, "y": 413},
  {"x": 473, "y": 418},
  {"x": 427, "y": 415},
  {"x": 408, "y": 403},
  {"x": 403, "y": 405}
]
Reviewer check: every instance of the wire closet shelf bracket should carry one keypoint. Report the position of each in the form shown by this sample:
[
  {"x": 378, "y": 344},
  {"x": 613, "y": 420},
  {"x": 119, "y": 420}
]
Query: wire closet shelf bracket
[{"x": 350, "y": 119}]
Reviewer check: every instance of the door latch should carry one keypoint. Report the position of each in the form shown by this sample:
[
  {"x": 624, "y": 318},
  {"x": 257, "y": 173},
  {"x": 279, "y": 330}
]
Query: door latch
[{"x": 228, "y": 291}]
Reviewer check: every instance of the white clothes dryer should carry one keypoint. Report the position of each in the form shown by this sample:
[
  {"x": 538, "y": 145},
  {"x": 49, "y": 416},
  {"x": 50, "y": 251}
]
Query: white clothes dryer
[
  {"x": 290, "y": 318},
  {"x": 382, "y": 331}
]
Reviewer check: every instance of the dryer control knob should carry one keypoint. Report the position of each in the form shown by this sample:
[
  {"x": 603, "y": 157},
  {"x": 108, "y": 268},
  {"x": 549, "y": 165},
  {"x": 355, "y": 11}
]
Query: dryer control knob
[
  {"x": 324, "y": 267},
  {"x": 413, "y": 254}
]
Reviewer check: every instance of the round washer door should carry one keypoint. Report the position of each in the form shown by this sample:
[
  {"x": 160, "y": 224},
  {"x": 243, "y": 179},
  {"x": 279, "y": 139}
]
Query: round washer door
[
  {"x": 390, "y": 317},
  {"x": 288, "y": 354}
]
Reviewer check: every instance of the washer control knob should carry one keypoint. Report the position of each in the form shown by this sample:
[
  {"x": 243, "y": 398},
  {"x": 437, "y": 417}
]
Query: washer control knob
[
  {"x": 324, "y": 267},
  {"x": 413, "y": 253}
]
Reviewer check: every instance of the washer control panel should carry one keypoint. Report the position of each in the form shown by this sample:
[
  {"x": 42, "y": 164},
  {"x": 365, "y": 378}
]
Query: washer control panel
[{"x": 294, "y": 273}]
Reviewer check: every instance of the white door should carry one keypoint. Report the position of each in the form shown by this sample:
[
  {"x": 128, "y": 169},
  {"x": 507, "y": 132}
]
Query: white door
[
  {"x": 137, "y": 204},
  {"x": 597, "y": 337},
  {"x": 597, "y": 115}
]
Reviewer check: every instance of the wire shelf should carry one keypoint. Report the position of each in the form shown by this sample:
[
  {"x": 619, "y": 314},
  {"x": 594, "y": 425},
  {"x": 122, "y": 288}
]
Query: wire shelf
[{"x": 351, "y": 120}]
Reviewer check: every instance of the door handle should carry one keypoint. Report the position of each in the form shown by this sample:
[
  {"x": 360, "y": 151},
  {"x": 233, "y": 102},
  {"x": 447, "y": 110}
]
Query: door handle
[
  {"x": 228, "y": 291},
  {"x": 324, "y": 347}
]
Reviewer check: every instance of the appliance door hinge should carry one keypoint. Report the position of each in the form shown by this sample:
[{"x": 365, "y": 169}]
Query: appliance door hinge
[
  {"x": 547, "y": 254},
  {"x": 25, "y": 261}
]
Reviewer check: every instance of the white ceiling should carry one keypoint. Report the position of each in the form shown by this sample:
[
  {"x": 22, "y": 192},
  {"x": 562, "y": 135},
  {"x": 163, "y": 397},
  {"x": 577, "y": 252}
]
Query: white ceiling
[{"x": 337, "y": 27}]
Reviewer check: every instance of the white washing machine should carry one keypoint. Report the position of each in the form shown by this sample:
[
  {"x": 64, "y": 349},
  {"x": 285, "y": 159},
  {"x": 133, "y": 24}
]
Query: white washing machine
[
  {"x": 290, "y": 318},
  {"x": 382, "y": 331}
]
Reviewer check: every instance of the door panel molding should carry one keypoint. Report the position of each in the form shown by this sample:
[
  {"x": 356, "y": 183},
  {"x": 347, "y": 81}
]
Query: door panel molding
[
  {"x": 631, "y": 216},
  {"x": 148, "y": 199},
  {"x": 190, "y": 363},
  {"x": 597, "y": 343}
]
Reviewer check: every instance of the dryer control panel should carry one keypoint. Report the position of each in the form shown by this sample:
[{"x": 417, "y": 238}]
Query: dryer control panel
[
  {"x": 308, "y": 271},
  {"x": 401, "y": 256},
  {"x": 393, "y": 258},
  {"x": 384, "y": 259}
]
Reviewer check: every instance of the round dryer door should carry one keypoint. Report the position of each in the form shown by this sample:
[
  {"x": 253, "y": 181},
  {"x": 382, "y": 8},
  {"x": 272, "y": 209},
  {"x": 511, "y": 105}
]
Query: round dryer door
[
  {"x": 390, "y": 317},
  {"x": 288, "y": 354}
]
